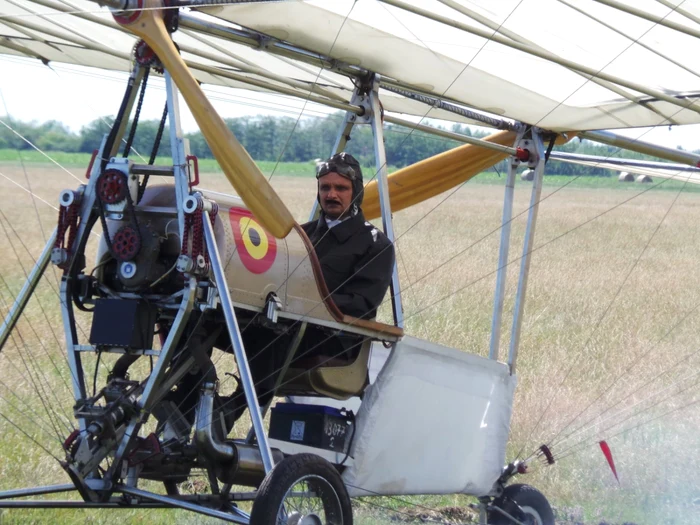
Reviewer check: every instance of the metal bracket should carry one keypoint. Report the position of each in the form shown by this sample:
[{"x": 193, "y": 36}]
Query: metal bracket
[
  {"x": 364, "y": 102},
  {"x": 272, "y": 306}
]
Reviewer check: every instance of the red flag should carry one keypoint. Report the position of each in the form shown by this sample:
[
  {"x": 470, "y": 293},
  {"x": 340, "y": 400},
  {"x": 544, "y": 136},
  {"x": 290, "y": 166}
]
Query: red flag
[{"x": 608, "y": 455}]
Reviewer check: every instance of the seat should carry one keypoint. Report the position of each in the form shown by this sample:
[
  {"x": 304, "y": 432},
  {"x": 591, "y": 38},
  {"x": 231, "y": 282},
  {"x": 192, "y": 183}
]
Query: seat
[{"x": 328, "y": 376}]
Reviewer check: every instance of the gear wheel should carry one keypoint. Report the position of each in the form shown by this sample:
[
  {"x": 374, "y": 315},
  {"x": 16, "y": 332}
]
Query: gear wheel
[
  {"x": 146, "y": 57},
  {"x": 126, "y": 243},
  {"x": 112, "y": 186}
]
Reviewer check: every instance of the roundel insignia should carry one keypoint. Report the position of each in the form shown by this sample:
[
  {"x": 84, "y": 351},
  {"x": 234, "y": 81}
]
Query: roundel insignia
[{"x": 255, "y": 246}]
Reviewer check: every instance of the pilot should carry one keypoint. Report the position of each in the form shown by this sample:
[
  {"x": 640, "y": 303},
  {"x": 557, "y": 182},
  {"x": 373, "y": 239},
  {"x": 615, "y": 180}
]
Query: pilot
[
  {"x": 356, "y": 258},
  {"x": 357, "y": 261}
]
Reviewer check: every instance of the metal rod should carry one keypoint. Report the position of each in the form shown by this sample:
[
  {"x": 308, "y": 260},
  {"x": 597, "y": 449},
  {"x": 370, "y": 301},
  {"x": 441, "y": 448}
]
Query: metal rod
[
  {"x": 544, "y": 54},
  {"x": 73, "y": 356},
  {"x": 233, "y": 61},
  {"x": 275, "y": 47},
  {"x": 177, "y": 148},
  {"x": 674, "y": 155},
  {"x": 237, "y": 343},
  {"x": 291, "y": 353},
  {"x": 27, "y": 290},
  {"x": 233, "y": 518},
  {"x": 661, "y": 20},
  {"x": 450, "y": 135},
  {"x": 75, "y": 504},
  {"x": 518, "y": 38},
  {"x": 384, "y": 202},
  {"x": 637, "y": 41},
  {"x": 257, "y": 40},
  {"x": 36, "y": 491},
  {"x": 147, "y": 400},
  {"x": 569, "y": 157},
  {"x": 440, "y": 104},
  {"x": 678, "y": 9},
  {"x": 497, "y": 317},
  {"x": 527, "y": 251}
]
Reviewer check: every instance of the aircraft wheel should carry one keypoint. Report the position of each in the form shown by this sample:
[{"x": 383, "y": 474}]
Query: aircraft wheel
[
  {"x": 524, "y": 503},
  {"x": 303, "y": 489}
]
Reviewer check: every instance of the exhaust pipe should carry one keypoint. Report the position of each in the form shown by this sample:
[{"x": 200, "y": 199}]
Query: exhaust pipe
[
  {"x": 238, "y": 462},
  {"x": 214, "y": 450}
]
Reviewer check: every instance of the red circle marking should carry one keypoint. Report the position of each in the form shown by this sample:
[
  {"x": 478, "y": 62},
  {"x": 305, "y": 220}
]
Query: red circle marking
[{"x": 252, "y": 264}]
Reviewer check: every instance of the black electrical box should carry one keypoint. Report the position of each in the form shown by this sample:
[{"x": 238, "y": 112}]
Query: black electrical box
[
  {"x": 312, "y": 425},
  {"x": 123, "y": 323}
]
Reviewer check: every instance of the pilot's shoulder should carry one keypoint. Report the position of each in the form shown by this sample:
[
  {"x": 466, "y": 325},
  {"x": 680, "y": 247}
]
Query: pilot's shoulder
[
  {"x": 378, "y": 236},
  {"x": 308, "y": 227}
]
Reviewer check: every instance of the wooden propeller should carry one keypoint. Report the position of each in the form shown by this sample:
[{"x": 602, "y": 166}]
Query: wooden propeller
[{"x": 238, "y": 166}]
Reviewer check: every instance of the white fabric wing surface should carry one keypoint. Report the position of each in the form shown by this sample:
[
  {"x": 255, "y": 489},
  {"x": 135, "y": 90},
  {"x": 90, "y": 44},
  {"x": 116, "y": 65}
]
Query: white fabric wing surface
[{"x": 651, "y": 57}]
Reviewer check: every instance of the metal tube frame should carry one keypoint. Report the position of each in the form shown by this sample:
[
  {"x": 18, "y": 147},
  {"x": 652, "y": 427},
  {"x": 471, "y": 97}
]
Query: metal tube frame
[
  {"x": 179, "y": 148},
  {"x": 537, "y": 161},
  {"x": 612, "y": 139},
  {"x": 372, "y": 115},
  {"x": 238, "y": 516},
  {"x": 497, "y": 317},
  {"x": 237, "y": 344},
  {"x": 573, "y": 157},
  {"x": 384, "y": 201},
  {"x": 87, "y": 203}
]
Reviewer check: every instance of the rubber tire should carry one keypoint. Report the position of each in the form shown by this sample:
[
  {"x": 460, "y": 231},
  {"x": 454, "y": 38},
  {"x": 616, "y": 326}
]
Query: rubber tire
[
  {"x": 520, "y": 495},
  {"x": 285, "y": 475}
]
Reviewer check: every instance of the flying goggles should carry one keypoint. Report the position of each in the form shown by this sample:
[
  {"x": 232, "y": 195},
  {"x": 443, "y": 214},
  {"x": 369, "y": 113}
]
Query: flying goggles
[{"x": 336, "y": 166}]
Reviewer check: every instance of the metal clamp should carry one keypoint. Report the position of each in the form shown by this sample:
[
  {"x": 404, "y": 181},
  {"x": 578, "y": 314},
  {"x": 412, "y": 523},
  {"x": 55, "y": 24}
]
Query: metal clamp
[{"x": 272, "y": 307}]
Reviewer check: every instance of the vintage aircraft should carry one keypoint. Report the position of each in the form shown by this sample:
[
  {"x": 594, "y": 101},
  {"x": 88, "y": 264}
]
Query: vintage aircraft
[{"x": 241, "y": 260}]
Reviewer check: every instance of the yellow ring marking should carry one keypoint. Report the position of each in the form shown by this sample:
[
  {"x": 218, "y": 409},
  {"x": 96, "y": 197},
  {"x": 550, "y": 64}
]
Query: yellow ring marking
[{"x": 259, "y": 251}]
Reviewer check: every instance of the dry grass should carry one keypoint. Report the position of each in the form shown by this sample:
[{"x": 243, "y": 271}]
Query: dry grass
[{"x": 598, "y": 315}]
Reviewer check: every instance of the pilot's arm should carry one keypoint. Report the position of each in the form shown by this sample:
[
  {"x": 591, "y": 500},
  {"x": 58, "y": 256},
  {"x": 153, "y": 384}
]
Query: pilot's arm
[{"x": 364, "y": 291}]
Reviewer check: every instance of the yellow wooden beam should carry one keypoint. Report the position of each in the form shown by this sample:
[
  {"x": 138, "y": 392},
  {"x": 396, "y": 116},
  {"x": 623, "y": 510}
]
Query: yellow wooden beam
[{"x": 239, "y": 168}]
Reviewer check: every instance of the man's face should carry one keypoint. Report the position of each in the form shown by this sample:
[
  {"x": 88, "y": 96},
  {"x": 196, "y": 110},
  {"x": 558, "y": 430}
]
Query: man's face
[{"x": 335, "y": 192}]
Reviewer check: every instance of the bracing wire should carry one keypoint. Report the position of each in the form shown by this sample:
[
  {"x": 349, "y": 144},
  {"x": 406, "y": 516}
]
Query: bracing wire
[
  {"x": 41, "y": 343},
  {"x": 583, "y": 427},
  {"x": 12, "y": 130},
  {"x": 318, "y": 345},
  {"x": 41, "y": 306},
  {"x": 31, "y": 438},
  {"x": 568, "y": 451},
  {"x": 469, "y": 284},
  {"x": 616, "y": 380},
  {"x": 605, "y": 313},
  {"x": 376, "y": 174},
  {"x": 41, "y": 393},
  {"x": 33, "y": 418}
]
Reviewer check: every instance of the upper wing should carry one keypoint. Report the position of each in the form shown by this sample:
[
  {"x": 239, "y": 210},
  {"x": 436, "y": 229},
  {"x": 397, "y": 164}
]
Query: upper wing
[{"x": 558, "y": 64}]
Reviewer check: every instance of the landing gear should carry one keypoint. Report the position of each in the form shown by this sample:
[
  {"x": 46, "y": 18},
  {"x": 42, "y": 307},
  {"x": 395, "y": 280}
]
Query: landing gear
[
  {"x": 525, "y": 503},
  {"x": 304, "y": 489}
]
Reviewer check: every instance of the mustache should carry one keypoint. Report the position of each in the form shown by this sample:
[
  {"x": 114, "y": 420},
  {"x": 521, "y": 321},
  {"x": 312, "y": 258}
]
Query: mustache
[{"x": 332, "y": 201}]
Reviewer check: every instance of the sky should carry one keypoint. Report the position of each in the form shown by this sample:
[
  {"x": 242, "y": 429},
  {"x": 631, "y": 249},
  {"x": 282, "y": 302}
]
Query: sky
[{"x": 74, "y": 95}]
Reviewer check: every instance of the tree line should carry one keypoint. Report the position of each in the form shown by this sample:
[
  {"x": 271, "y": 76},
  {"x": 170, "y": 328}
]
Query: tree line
[{"x": 284, "y": 139}]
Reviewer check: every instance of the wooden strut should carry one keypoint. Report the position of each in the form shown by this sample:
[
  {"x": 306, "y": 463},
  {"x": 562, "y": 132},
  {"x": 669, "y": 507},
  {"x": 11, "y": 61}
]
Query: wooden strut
[{"x": 236, "y": 163}]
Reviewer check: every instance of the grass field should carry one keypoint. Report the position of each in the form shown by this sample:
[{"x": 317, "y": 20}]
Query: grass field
[{"x": 612, "y": 306}]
